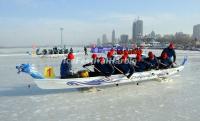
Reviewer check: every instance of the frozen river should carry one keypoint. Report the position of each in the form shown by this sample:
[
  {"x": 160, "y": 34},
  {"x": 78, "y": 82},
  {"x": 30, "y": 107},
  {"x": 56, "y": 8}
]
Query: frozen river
[{"x": 174, "y": 100}]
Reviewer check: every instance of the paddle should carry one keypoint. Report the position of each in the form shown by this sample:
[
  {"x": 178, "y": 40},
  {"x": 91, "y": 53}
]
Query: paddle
[
  {"x": 165, "y": 64},
  {"x": 97, "y": 70},
  {"x": 121, "y": 72},
  {"x": 87, "y": 69},
  {"x": 151, "y": 65}
]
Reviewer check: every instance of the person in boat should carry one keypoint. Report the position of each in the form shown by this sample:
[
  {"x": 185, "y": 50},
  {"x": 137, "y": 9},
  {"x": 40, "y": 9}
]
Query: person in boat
[
  {"x": 55, "y": 50},
  {"x": 124, "y": 67},
  {"x": 65, "y": 51},
  {"x": 170, "y": 52},
  {"x": 106, "y": 69},
  {"x": 60, "y": 51},
  {"x": 140, "y": 64},
  {"x": 165, "y": 61},
  {"x": 38, "y": 51},
  {"x": 44, "y": 52},
  {"x": 85, "y": 50},
  {"x": 95, "y": 63},
  {"x": 50, "y": 51},
  {"x": 66, "y": 67},
  {"x": 110, "y": 57},
  {"x": 152, "y": 61}
]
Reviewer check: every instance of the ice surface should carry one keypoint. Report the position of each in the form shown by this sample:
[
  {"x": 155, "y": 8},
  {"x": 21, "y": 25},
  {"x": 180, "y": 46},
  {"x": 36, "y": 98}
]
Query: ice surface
[{"x": 175, "y": 99}]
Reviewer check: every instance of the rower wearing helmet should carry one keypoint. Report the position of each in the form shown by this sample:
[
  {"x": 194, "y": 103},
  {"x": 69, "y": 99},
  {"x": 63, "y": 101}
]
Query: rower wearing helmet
[
  {"x": 66, "y": 67},
  {"x": 170, "y": 52},
  {"x": 112, "y": 51},
  {"x": 165, "y": 62},
  {"x": 140, "y": 65},
  {"x": 95, "y": 63},
  {"x": 110, "y": 57},
  {"x": 106, "y": 69},
  {"x": 124, "y": 67},
  {"x": 152, "y": 61}
]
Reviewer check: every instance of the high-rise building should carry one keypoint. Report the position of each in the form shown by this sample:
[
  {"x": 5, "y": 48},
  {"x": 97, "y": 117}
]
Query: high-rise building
[
  {"x": 98, "y": 41},
  {"x": 196, "y": 32},
  {"x": 113, "y": 37},
  {"x": 104, "y": 39},
  {"x": 137, "y": 29},
  {"x": 124, "y": 38}
]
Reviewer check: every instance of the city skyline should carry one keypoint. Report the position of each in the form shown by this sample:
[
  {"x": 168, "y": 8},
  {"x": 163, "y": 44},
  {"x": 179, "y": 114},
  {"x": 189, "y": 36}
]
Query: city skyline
[{"x": 27, "y": 22}]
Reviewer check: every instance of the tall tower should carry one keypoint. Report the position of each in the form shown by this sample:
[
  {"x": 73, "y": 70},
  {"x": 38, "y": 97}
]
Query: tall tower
[
  {"x": 137, "y": 29},
  {"x": 113, "y": 37},
  {"x": 124, "y": 38},
  {"x": 196, "y": 32},
  {"x": 98, "y": 41},
  {"x": 104, "y": 39}
]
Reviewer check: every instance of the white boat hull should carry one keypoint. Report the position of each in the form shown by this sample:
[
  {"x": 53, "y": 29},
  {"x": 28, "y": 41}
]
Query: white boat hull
[{"x": 103, "y": 81}]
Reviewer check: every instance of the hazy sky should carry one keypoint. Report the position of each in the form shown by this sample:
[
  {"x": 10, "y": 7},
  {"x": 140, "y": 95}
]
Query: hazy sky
[{"x": 25, "y": 22}]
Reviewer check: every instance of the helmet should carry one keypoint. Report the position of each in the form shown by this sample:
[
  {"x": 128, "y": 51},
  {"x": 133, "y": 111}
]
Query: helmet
[
  {"x": 171, "y": 45},
  {"x": 164, "y": 55},
  {"x": 139, "y": 51},
  {"x": 112, "y": 51},
  {"x": 151, "y": 55},
  {"x": 101, "y": 59},
  {"x": 94, "y": 56},
  {"x": 70, "y": 56},
  {"x": 125, "y": 51},
  {"x": 138, "y": 57},
  {"x": 84, "y": 73},
  {"x": 109, "y": 54}
]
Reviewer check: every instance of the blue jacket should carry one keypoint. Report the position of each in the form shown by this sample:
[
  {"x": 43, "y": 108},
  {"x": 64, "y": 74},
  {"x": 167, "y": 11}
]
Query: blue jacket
[
  {"x": 152, "y": 63},
  {"x": 65, "y": 68},
  {"x": 165, "y": 63},
  {"x": 141, "y": 66},
  {"x": 170, "y": 52},
  {"x": 125, "y": 68},
  {"x": 105, "y": 69}
]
